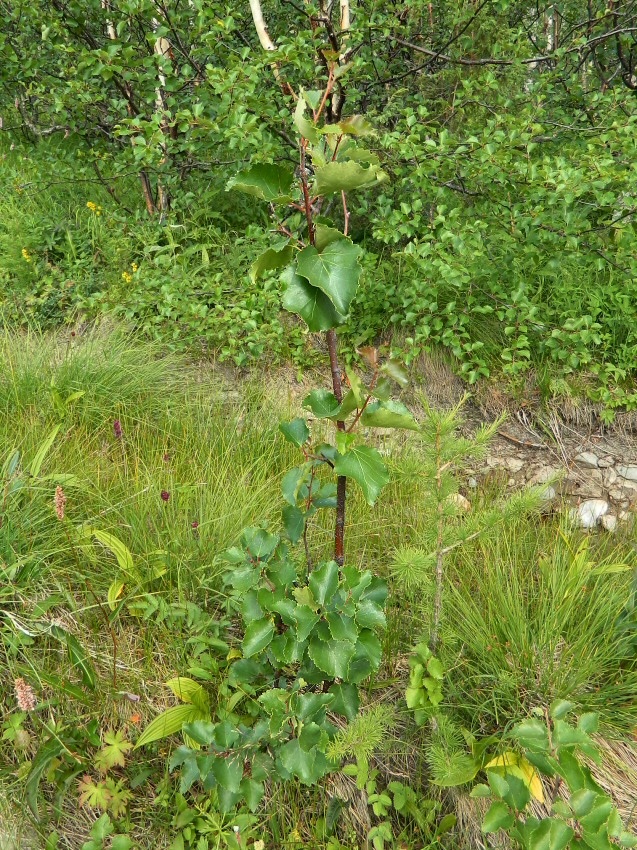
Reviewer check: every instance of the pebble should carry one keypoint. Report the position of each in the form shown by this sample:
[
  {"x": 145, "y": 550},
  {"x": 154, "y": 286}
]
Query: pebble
[
  {"x": 628, "y": 472},
  {"x": 472, "y": 482},
  {"x": 609, "y": 522},
  {"x": 588, "y": 459},
  {"x": 589, "y": 513},
  {"x": 460, "y": 502}
]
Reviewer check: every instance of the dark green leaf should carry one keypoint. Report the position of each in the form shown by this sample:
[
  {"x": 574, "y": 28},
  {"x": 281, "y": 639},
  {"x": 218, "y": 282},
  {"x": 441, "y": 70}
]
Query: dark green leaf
[
  {"x": 228, "y": 772},
  {"x": 322, "y": 403},
  {"x": 296, "y": 431},
  {"x": 332, "y": 658},
  {"x": 346, "y": 702},
  {"x": 257, "y": 636},
  {"x": 389, "y": 414},
  {"x": 266, "y": 181},
  {"x": 366, "y": 467},
  {"x": 335, "y": 271},
  {"x": 312, "y": 305},
  {"x": 345, "y": 176},
  {"x": 323, "y": 582},
  {"x": 498, "y": 817},
  {"x": 293, "y": 522},
  {"x": 270, "y": 260}
]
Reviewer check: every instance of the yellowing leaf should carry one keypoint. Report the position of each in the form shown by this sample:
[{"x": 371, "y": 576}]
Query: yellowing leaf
[
  {"x": 505, "y": 760},
  {"x": 114, "y": 592},
  {"x": 532, "y": 779},
  {"x": 517, "y": 765}
]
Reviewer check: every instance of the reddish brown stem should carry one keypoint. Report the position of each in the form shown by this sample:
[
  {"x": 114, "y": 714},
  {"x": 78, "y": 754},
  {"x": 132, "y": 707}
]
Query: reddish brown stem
[{"x": 341, "y": 481}]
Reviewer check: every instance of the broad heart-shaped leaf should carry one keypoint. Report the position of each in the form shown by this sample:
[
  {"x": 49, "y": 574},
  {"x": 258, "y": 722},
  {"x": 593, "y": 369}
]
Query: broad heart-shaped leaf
[
  {"x": 332, "y": 657},
  {"x": 270, "y": 260},
  {"x": 293, "y": 522},
  {"x": 312, "y": 305},
  {"x": 266, "y": 181},
  {"x": 257, "y": 636},
  {"x": 355, "y": 125},
  {"x": 345, "y": 176},
  {"x": 498, "y": 817},
  {"x": 324, "y": 581},
  {"x": 335, "y": 271},
  {"x": 347, "y": 701},
  {"x": 296, "y": 431},
  {"x": 389, "y": 414},
  {"x": 323, "y": 404},
  {"x": 366, "y": 467},
  {"x": 309, "y": 767},
  {"x": 228, "y": 772},
  {"x": 325, "y": 235}
]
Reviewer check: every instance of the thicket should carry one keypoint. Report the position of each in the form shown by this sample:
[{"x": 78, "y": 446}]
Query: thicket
[{"x": 505, "y": 234}]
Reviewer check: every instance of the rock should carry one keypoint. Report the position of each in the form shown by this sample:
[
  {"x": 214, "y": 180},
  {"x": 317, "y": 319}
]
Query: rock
[
  {"x": 628, "y": 472},
  {"x": 616, "y": 494},
  {"x": 460, "y": 502},
  {"x": 609, "y": 522},
  {"x": 604, "y": 462},
  {"x": 472, "y": 482},
  {"x": 626, "y": 516},
  {"x": 589, "y": 513},
  {"x": 544, "y": 474},
  {"x": 514, "y": 464},
  {"x": 609, "y": 477},
  {"x": 590, "y": 486},
  {"x": 588, "y": 459}
]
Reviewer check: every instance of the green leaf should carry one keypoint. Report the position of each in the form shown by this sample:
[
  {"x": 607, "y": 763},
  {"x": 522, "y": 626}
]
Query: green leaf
[
  {"x": 480, "y": 790},
  {"x": 189, "y": 691},
  {"x": 396, "y": 371},
  {"x": 312, "y": 305},
  {"x": 345, "y": 176},
  {"x": 322, "y": 403},
  {"x": 306, "y": 128},
  {"x": 169, "y": 722},
  {"x": 370, "y": 615},
  {"x": 532, "y": 734},
  {"x": 228, "y": 772},
  {"x": 293, "y": 522},
  {"x": 201, "y": 731},
  {"x": 266, "y": 181},
  {"x": 259, "y": 543},
  {"x": 324, "y": 236},
  {"x": 270, "y": 260},
  {"x": 498, "y": 817},
  {"x": 296, "y": 431},
  {"x": 354, "y": 125},
  {"x": 342, "y": 627},
  {"x": 113, "y": 594},
  {"x": 332, "y": 657},
  {"x": 347, "y": 700},
  {"x": 323, "y": 581},
  {"x": 36, "y": 464},
  {"x": 365, "y": 466},
  {"x": 551, "y": 834},
  {"x": 389, "y": 414},
  {"x": 51, "y": 749},
  {"x": 309, "y": 767},
  {"x": 560, "y": 708},
  {"x": 335, "y": 271},
  {"x": 120, "y": 550},
  {"x": 79, "y": 660},
  {"x": 121, "y": 842},
  {"x": 257, "y": 636},
  {"x": 253, "y": 792},
  {"x": 305, "y": 619},
  {"x": 582, "y": 801}
]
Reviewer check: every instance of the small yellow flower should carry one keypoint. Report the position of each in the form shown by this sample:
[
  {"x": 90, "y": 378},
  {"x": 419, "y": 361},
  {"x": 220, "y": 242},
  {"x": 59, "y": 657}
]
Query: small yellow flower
[
  {"x": 127, "y": 276},
  {"x": 134, "y": 266},
  {"x": 26, "y": 255},
  {"x": 91, "y": 206}
]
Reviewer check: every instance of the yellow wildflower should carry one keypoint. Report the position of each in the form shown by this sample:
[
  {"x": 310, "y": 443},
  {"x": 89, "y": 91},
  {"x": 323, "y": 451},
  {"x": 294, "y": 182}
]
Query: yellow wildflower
[
  {"x": 127, "y": 276},
  {"x": 134, "y": 266},
  {"x": 26, "y": 255},
  {"x": 91, "y": 206}
]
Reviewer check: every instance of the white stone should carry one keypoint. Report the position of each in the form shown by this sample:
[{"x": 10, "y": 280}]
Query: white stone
[
  {"x": 459, "y": 501},
  {"x": 604, "y": 462},
  {"x": 472, "y": 482},
  {"x": 514, "y": 464},
  {"x": 543, "y": 475},
  {"x": 589, "y": 513},
  {"x": 609, "y": 522},
  {"x": 609, "y": 477},
  {"x": 628, "y": 472},
  {"x": 588, "y": 459}
]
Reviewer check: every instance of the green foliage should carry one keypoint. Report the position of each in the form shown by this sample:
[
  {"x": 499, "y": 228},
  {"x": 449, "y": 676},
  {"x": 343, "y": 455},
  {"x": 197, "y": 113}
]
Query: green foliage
[{"x": 584, "y": 818}]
